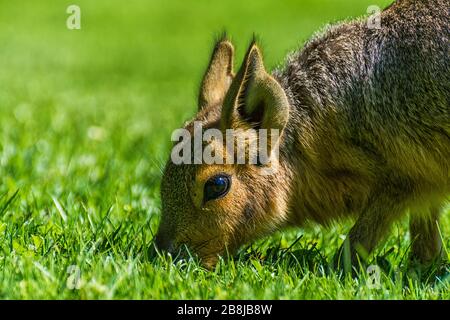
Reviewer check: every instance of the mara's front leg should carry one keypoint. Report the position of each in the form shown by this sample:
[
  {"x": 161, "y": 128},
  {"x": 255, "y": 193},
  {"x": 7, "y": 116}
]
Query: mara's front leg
[{"x": 370, "y": 228}]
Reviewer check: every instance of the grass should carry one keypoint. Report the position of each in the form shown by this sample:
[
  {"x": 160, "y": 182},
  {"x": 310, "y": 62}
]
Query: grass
[{"x": 85, "y": 123}]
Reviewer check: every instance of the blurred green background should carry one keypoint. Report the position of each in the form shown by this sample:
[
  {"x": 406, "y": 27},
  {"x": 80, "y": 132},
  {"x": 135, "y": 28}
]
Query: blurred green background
[{"x": 85, "y": 123}]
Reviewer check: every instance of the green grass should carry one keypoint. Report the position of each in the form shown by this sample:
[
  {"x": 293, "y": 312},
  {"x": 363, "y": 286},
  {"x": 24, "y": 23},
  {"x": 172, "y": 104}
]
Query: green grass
[{"x": 85, "y": 123}]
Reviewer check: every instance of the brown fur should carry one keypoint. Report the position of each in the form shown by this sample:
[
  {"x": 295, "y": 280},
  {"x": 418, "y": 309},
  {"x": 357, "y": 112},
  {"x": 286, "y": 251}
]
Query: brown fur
[{"x": 364, "y": 115}]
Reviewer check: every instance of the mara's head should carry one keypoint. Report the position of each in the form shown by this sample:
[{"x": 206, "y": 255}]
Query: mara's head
[{"x": 225, "y": 182}]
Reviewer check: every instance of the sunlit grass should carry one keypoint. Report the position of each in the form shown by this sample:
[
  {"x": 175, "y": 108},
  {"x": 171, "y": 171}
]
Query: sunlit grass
[{"x": 85, "y": 123}]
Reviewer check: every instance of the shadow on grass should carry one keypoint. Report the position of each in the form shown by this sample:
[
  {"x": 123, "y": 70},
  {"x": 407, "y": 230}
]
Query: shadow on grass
[{"x": 307, "y": 258}]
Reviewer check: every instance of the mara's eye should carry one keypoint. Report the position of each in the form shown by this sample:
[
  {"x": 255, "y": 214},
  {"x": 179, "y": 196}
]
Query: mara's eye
[{"x": 216, "y": 187}]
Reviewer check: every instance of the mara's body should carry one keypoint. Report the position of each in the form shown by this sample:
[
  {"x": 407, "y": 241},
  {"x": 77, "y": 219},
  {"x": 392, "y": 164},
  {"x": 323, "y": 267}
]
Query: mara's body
[
  {"x": 370, "y": 122},
  {"x": 364, "y": 116}
]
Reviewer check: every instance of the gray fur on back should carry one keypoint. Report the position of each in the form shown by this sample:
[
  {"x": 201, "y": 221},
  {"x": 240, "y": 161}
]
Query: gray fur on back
[{"x": 381, "y": 83}]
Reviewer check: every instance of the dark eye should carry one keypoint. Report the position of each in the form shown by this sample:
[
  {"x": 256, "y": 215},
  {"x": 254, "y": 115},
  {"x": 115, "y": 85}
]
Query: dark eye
[{"x": 216, "y": 187}]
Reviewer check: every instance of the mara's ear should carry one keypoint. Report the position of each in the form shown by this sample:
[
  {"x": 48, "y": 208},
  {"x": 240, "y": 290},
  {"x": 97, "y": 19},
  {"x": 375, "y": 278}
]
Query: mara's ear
[
  {"x": 218, "y": 76},
  {"x": 255, "y": 99}
]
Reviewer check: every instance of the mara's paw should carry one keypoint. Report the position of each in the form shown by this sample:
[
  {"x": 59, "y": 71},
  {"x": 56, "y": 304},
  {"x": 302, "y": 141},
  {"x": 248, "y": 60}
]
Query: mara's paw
[{"x": 347, "y": 261}]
